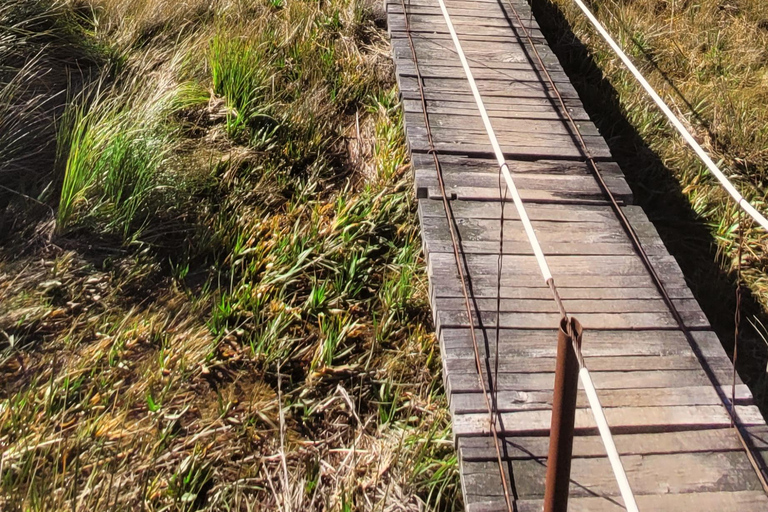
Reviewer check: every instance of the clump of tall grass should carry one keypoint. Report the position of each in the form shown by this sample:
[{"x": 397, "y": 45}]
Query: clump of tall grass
[
  {"x": 112, "y": 160},
  {"x": 114, "y": 143},
  {"x": 240, "y": 73},
  {"x": 279, "y": 355}
]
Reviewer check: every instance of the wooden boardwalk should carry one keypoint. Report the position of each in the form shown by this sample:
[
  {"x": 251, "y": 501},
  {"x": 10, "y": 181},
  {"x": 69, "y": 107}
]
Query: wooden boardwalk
[{"x": 663, "y": 397}]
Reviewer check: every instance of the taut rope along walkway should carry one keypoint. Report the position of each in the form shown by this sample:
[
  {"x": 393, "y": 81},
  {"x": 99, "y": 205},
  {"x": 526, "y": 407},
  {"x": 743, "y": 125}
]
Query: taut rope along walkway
[{"x": 658, "y": 368}]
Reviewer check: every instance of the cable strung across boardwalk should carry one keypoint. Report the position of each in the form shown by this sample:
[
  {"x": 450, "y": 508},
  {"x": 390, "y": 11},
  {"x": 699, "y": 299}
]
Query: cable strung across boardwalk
[{"x": 655, "y": 363}]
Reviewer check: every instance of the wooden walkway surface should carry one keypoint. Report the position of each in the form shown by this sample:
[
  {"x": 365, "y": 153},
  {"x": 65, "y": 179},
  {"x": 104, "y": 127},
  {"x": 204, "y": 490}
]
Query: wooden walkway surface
[{"x": 668, "y": 419}]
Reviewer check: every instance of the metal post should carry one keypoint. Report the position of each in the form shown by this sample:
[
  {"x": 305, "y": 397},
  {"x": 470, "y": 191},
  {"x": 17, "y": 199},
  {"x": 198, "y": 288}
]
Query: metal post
[{"x": 563, "y": 416}]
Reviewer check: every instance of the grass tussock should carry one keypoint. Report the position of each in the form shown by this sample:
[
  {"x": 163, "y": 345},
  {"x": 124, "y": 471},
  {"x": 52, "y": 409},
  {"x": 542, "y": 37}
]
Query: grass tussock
[
  {"x": 709, "y": 61},
  {"x": 114, "y": 145},
  {"x": 212, "y": 296}
]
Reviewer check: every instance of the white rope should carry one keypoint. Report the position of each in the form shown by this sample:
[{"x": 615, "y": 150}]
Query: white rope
[
  {"x": 497, "y": 150},
  {"x": 594, "y": 402},
  {"x": 610, "y": 447},
  {"x": 727, "y": 185}
]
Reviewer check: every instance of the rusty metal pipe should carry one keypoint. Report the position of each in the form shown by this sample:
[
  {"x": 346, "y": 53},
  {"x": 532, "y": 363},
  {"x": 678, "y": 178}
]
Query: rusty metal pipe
[{"x": 563, "y": 417}]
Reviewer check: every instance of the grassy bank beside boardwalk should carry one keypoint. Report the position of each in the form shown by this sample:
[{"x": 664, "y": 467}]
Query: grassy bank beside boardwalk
[
  {"x": 211, "y": 288},
  {"x": 708, "y": 59}
]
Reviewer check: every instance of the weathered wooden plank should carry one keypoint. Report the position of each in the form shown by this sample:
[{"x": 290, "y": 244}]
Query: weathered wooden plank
[
  {"x": 452, "y": 4},
  {"x": 515, "y": 343},
  {"x": 570, "y": 179},
  {"x": 461, "y": 11},
  {"x": 470, "y": 383},
  {"x": 444, "y": 284},
  {"x": 430, "y": 189},
  {"x": 623, "y": 420},
  {"x": 524, "y": 247},
  {"x": 463, "y": 109},
  {"x": 542, "y": 189},
  {"x": 430, "y": 21},
  {"x": 448, "y": 69},
  {"x": 684, "y": 361},
  {"x": 522, "y": 8},
  {"x": 469, "y": 164},
  {"x": 530, "y": 146},
  {"x": 437, "y": 239},
  {"x": 504, "y": 88},
  {"x": 574, "y": 307},
  {"x": 583, "y": 271},
  {"x": 537, "y": 212},
  {"x": 433, "y": 9},
  {"x": 580, "y": 265},
  {"x": 457, "y": 344},
  {"x": 466, "y": 27},
  {"x": 590, "y": 321},
  {"x": 556, "y": 233},
  {"x": 467, "y": 32},
  {"x": 570, "y": 288},
  {"x": 503, "y": 126},
  {"x": 428, "y": 48},
  {"x": 600, "y": 343},
  {"x": 436, "y": 228},
  {"x": 479, "y": 449},
  {"x": 526, "y": 108},
  {"x": 568, "y": 187},
  {"x": 418, "y": 143},
  {"x": 436, "y": 21},
  {"x": 511, "y": 69},
  {"x": 464, "y": 104},
  {"x": 651, "y": 474},
  {"x": 432, "y": 27},
  {"x": 524, "y": 71},
  {"x": 641, "y": 379},
  {"x": 511, "y": 401},
  {"x": 484, "y": 279},
  {"x": 740, "y": 501},
  {"x": 459, "y": 366}
]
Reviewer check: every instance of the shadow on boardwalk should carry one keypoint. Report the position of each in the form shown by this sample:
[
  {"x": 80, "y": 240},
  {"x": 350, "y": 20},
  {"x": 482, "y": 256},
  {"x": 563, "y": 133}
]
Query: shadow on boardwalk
[{"x": 685, "y": 235}]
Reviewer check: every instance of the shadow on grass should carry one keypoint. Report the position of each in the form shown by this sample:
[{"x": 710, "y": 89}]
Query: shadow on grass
[
  {"x": 45, "y": 62},
  {"x": 656, "y": 189}
]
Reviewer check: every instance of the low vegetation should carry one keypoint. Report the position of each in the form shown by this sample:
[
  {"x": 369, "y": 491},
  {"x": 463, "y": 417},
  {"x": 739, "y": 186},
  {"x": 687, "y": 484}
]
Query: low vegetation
[
  {"x": 709, "y": 60},
  {"x": 211, "y": 289}
]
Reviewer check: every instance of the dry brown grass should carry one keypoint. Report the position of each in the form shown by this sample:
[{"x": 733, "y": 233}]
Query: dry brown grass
[{"x": 253, "y": 333}]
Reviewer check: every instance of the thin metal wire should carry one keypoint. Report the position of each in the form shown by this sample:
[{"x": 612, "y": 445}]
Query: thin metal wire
[
  {"x": 500, "y": 269},
  {"x": 459, "y": 265},
  {"x": 737, "y": 315},
  {"x": 630, "y": 231}
]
